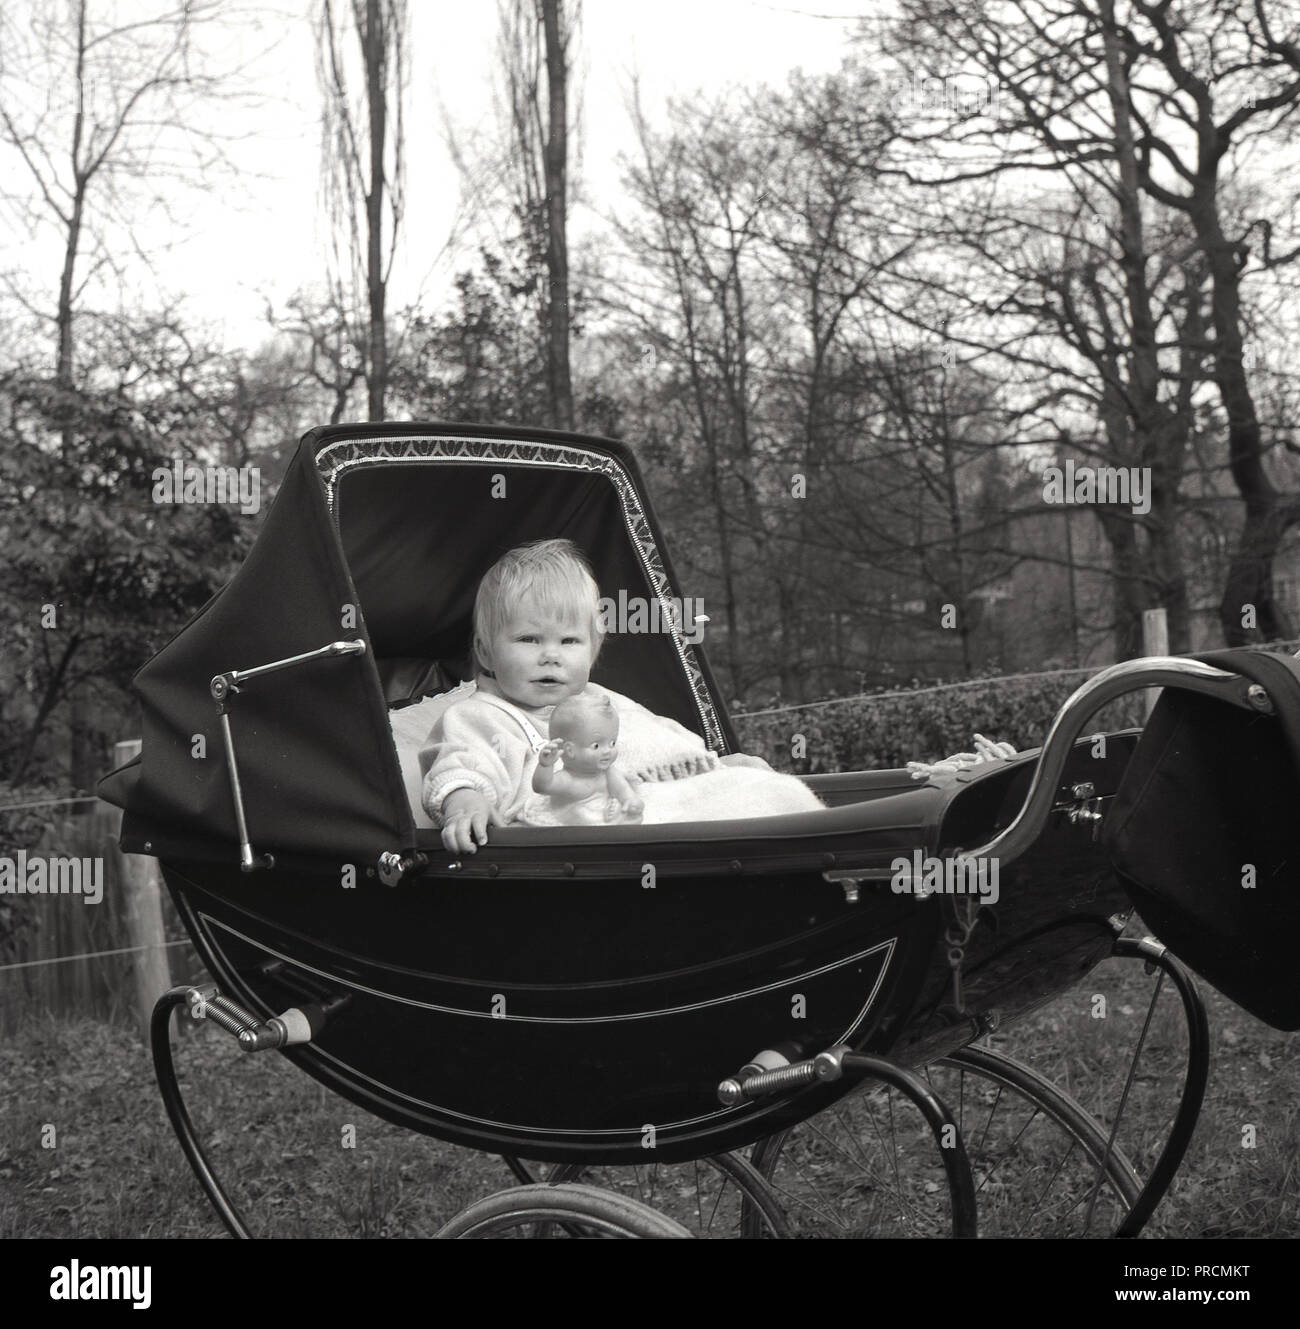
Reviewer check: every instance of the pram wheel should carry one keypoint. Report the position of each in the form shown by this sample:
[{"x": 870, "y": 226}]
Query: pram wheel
[
  {"x": 868, "y": 1167},
  {"x": 564, "y": 1210},
  {"x": 720, "y": 1196}
]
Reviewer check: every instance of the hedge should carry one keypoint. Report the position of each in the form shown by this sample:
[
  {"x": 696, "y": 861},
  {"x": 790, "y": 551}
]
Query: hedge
[{"x": 926, "y": 722}]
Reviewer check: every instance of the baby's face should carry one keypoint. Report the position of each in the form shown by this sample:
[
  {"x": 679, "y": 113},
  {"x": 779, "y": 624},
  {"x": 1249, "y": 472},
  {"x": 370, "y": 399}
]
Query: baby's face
[{"x": 540, "y": 660}]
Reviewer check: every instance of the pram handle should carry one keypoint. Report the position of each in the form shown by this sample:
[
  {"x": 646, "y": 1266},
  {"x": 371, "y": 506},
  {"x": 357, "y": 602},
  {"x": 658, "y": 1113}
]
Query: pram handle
[
  {"x": 223, "y": 685},
  {"x": 1127, "y": 676}
]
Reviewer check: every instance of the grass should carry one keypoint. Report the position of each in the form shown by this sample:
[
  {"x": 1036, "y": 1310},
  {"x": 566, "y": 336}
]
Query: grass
[
  {"x": 274, "y": 1135},
  {"x": 278, "y": 1139},
  {"x": 1233, "y": 1181}
]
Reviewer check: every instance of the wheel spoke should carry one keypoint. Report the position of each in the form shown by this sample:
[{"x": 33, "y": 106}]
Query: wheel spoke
[{"x": 1035, "y": 1155}]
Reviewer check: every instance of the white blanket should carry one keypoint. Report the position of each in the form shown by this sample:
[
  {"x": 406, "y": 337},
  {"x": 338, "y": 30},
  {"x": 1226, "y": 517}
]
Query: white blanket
[{"x": 730, "y": 792}]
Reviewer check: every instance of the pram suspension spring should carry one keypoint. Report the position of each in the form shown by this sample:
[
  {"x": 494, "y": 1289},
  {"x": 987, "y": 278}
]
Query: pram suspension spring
[
  {"x": 772, "y": 1072},
  {"x": 297, "y": 1024}
]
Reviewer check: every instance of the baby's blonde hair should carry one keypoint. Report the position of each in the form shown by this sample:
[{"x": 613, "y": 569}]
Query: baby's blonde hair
[{"x": 550, "y": 576}]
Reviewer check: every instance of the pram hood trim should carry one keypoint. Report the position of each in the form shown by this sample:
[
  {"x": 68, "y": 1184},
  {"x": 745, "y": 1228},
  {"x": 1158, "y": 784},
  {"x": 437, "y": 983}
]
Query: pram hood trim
[{"x": 337, "y": 459}]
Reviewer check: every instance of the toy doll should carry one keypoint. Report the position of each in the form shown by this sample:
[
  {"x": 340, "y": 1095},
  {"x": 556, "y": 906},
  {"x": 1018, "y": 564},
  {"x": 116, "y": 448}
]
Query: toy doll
[{"x": 587, "y": 790}]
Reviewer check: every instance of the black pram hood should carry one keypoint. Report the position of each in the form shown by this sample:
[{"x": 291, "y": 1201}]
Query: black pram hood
[{"x": 380, "y": 533}]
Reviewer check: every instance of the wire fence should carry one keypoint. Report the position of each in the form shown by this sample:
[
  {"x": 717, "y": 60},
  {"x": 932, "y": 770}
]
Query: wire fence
[
  {"x": 1077, "y": 671},
  {"x": 89, "y": 955},
  {"x": 47, "y": 803},
  {"x": 868, "y": 697},
  {"x": 74, "y": 952}
]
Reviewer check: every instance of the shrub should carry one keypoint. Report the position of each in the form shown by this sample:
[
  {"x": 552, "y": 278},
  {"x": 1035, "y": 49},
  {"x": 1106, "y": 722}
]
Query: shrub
[{"x": 929, "y": 722}]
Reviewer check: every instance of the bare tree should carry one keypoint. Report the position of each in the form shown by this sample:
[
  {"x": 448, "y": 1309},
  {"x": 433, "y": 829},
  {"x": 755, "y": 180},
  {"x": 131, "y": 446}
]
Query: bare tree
[
  {"x": 1154, "y": 100},
  {"x": 701, "y": 194},
  {"x": 1221, "y": 108},
  {"x": 807, "y": 452},
  {"x": 101, "y": 116},
  {"x": 363, "y": 166},
  {"x": 323, "y": 340},
  {"x": 536, "y": 43}
]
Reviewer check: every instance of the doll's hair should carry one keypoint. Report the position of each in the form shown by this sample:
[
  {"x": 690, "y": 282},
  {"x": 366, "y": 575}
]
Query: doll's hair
[
  {"x": 574, "y": 710},
  {"x": 549, "y": 577}
]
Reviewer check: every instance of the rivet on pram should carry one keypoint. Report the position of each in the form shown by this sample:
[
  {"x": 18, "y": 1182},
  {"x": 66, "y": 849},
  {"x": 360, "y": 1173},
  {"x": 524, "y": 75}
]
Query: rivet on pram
[
  {"x": 393, "y": 867},
  {"x": 1259, "y": 699},
  {"x": 731, "y": 1093}
]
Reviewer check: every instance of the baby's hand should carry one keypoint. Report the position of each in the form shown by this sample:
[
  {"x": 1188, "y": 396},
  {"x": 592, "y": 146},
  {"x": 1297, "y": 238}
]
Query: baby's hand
[
  {"x": 549, "y": 754},
  {"x": 465, "y": 817}
]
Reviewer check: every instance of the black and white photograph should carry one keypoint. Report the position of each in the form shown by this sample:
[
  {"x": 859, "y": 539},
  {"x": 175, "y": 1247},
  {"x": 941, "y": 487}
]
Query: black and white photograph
[{"x": 671, "y": 622}]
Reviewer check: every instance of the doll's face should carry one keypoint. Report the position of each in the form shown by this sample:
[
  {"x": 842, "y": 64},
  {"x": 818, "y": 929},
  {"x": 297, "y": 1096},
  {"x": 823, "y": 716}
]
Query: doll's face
[{"x": 590, "y": 740}]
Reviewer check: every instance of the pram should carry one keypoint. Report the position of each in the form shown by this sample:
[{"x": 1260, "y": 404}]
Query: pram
[{"x": 549, "y": 998}]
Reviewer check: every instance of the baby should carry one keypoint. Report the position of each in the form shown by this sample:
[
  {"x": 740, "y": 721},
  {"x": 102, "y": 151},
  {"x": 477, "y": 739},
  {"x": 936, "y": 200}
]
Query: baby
[{"x": 537, "y": 632}]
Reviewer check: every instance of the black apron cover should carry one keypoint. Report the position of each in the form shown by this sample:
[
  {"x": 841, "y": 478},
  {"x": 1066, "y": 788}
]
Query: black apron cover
[{"x": 1205, "y": 835}]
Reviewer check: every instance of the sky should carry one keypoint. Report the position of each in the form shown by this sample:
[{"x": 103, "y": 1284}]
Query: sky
[{"x": 259, "y": 236}]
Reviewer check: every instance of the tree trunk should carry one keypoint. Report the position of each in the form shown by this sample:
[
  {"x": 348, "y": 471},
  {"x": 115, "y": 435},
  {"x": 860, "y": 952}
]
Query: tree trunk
[
  {"x": 49, "y": 700},
  {"x": 1159, "y": 431},
  {"x": 373, "y": 46},
  {"x": 557, "y": 249},
  {"x": 65, "y": 377},
  {"x": 1165, "y": 559},
  {"x": 1129, "y": 600},
  {"x": 1250, "y": 574}
]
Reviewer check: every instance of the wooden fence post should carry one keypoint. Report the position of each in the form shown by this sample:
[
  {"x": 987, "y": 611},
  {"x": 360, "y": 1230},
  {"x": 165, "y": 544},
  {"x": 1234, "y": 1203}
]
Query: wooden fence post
[
  {"x": 1155, "y": 641},
  {"x": 141, "y": 886}
]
